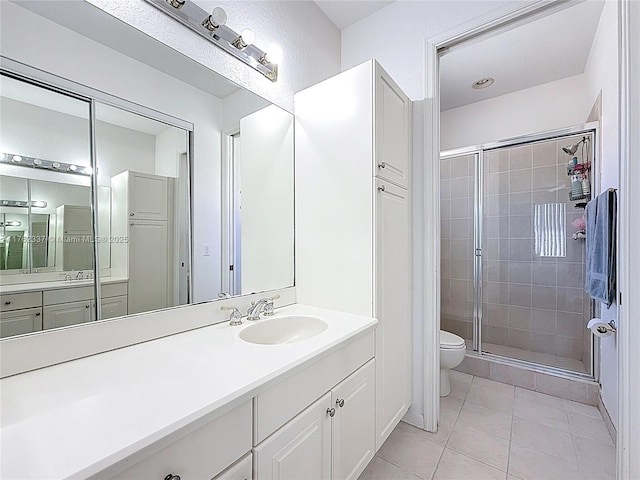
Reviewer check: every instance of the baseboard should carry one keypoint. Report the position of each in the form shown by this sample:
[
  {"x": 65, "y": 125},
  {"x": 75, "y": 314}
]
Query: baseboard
[
  {"x": 607, "y": 420},
  {"x": 415, "y": 419}
]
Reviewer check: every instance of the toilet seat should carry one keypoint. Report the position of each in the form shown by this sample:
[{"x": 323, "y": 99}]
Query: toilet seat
[{"x": 449, "y": 340}]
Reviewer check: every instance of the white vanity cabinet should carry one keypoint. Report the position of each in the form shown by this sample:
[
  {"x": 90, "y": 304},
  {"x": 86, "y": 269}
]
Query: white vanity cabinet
[
  {"x": 140, "y": 212},
  {"x": 65, "y": 314},
  {"x": 18, "y": 322},
  {"x": 353, "y": 217}
]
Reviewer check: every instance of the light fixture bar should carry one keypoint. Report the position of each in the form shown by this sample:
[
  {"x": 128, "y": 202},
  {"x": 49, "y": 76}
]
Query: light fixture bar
[
  {"x": 23, "y": 204},
  {"x": 201, "y": 22},
  {"x": 39, "y": 163}
]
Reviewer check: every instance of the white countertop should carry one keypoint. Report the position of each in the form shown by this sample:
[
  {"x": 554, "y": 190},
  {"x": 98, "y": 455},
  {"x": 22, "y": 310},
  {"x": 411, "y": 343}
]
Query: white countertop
[
  {"x": 34, "y": 286},
  {"x": 78, "y": 418}
]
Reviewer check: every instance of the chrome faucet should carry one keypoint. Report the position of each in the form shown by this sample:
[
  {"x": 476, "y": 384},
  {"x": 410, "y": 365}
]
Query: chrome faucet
[
  {"x": 264, "y": 304},
  {"x": 235, "y": 318},
  {"x": 80, "y": 275}
]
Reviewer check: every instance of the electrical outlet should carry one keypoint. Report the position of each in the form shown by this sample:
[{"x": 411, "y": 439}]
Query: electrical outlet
[{"x": 205, "y": 250}]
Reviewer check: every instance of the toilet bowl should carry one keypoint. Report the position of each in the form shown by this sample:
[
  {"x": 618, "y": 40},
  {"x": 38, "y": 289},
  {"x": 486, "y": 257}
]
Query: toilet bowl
[{"x": 452, "y": 350}]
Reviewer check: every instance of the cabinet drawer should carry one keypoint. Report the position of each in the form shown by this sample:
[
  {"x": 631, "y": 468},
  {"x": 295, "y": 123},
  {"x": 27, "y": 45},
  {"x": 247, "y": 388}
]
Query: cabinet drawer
[
  {"x": 242, "y": 470},
  {"x": 279, "y": 404},
  {"x": 113, "y": 307},
  {"x": 65, "y": 295},
  {"x": 201, "y": 454},
  {"x": 16, "y": 301},
  {"x": 113, "y": 289}
]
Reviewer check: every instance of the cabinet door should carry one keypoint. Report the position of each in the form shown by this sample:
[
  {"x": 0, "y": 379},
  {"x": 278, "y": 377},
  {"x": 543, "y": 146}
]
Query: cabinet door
[
  {"x": 393, "y": 307},
  {"x": 240, "y": 471},
  {"x": 301, "y": 449},
  {"x": 392, "y": 130},
  {"x": 113, "y": 307},
  {"x": 66, "y": 314},
  {"x": 354, "y": 438},
  {"x": 77, "y": 220},
  {"x": 148, "y": 266},
  {"x": 148, "y": 196},
  {"x": 20, "y": 321}
]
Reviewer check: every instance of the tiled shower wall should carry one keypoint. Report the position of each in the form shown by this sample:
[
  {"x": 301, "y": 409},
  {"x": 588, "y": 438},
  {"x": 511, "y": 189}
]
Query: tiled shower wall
[{"x": 529, "y": 302}]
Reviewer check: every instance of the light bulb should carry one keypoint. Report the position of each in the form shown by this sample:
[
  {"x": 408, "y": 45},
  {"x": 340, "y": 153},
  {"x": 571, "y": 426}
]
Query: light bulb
[
  {"x": 37, "y": 161},
  {"x": 248, "y": 37},
  {"x": 218, "y": 16},
  {"x": 3, "y": 156},
  {"x": 72, "y": 168},
  {"x": 17, "y": 158},
  {"x": 88, "y": 171},
  {"x": 275, "y": 54},
  {"x": 55, "y": 165}
]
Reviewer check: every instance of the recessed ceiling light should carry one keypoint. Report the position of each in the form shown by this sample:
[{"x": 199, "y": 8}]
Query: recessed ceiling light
[{"x": 482, "y": 83}]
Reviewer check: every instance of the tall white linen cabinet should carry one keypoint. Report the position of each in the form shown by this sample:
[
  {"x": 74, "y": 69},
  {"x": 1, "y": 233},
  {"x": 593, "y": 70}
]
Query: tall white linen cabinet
[{"x": 353, "y": 217}]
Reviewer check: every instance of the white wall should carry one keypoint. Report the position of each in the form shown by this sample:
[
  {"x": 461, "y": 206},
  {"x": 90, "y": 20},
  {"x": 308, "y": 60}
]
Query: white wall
[
  {"x": 169, "y": 144},
  {"x": 602, "y": 76},
  {"x": 238, "y": 105},
  {"x": 309, "y": 41},
  {"x": 549, "y": 106}
]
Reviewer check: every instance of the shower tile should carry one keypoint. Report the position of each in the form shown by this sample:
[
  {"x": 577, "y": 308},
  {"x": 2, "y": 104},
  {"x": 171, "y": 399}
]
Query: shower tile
[
  {"x": 520, "y": 339},
  {"x": 461, "y": 309},
  {"x": 496, "y": 183},
  {"x": 496, "y": 292},
  {"x": 474, "y": 366},
  {"x": 519, "y": 318},
  {"x": 520, "y": 226},
  {"x": 545, "y": 179},
  {"x": 461, "y": 290},
  {"x": 544, "y": 297},
  {"x": 571, "y": 325},
  {"x": 544, "y": 343},
  {"x": 496, "y": 205},
  {"x": 520, "y": 295},
  {"x": 496, "y": 315},
  {"x": 445, "y": 288},
  {"x": 544, "y": 196},
  {"x": 544, "y": 321},
  {"x": 496, "y": 271},
  {"x": 570, "y": 274},
  {"x": 545, "y": 153},
  {"x": 544, "y": 274},
  {"x": 445, "y": 208},
  {"x": 521, "y": 203},
  {"x": 520, "y": 249},
  {"x": 575, "y": 251},
  {"x": 445, "y": 169},
  {"x": 460, "y": 269},
  {"x": 460, "y": 208},
  {"x": 519, "y": 377},
  {"x": 492, "y": 162},
  {"x": 459, "y": 167},
  {"x": 520, "y": 181},
  {"x": 521, "y": 157},
  {"x": 493, "y": 334},
  {"x": 460, "y": 187},
  {"x": 460, "y": 228},
  {"x": 520, "y": 272},
  {"x": 496, "y": 227},
  {"x": 445, "y": 268},
  {"x": 568, "y": 347},
  {"x": 445, "y": 249},
  {"x": 445, "y": 189},
  {"x": 461, "y": 249},
  {"x": 569, "y": 300}
]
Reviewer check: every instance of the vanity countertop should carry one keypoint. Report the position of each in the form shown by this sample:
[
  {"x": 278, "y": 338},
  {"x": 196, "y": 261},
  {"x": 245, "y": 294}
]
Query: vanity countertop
[
  {"x": 34, "y": 286},
  {"x": 78, "y": 418}
]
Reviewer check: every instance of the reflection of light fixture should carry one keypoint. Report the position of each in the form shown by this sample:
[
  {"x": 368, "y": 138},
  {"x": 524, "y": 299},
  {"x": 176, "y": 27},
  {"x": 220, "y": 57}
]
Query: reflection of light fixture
[
  {"x": 212, "y": 27},
  {"x": 214, "y": 21},
  {"x": 10, "y": 223},
  {"x": 39, "y": 204},
  {"x": 22, "y": 204},
  {"x": 39, "y": 163},
  {"x": 482, "y": 83}
]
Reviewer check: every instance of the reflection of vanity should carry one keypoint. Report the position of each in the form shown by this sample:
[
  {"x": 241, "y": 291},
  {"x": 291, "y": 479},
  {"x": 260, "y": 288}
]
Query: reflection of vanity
[{"x": 27, "y": 308}]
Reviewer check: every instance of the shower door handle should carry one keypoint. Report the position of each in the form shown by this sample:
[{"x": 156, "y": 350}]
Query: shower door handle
[{"x": 478, "y": 252}]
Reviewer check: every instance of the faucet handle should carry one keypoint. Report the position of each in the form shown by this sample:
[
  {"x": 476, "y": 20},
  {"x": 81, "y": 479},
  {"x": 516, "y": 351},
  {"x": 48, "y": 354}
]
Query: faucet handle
[
  {"x": 235, "y": 318},
  {"x": 268, "y": 307}
]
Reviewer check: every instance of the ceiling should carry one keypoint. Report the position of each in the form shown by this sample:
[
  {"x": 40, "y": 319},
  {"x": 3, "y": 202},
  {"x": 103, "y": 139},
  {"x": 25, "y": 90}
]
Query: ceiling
[
  {"x": 550, "y": 48},
  {"x": 347, "y": 12}
]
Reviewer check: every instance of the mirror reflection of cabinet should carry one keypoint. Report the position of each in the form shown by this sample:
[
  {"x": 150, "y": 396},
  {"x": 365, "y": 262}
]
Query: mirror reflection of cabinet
[
  {"x": 75, "y": 250},
  {"x": 139, "y": 208}
]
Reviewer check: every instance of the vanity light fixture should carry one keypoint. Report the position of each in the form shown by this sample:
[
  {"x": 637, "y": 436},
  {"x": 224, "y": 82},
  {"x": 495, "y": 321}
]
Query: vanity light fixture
[
  {"x": 39, "y": 163},
  {"x": 212, "y": 26},
  {"x": 21, "y": 204},
  {"x": 11, "y": 223}
]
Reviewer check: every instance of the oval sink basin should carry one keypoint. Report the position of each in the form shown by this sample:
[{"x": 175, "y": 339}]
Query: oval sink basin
[{"x": 280, "y": 330}]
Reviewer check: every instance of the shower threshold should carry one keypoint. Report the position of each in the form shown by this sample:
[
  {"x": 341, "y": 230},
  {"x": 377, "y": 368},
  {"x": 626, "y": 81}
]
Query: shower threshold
[{"x": 555, "y": 361}]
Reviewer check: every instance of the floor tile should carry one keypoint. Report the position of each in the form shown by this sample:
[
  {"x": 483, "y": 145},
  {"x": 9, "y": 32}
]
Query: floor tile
[
  {"x": 445, "y": 426},
  {"x": 486, "y": 419},
  {"x": 380, "y": 469},
  {"x": 495, "y": 397},
  {"x": 529, "y": 464},
  {"x": 589, "y": 427},
  {"x": 543, "y": 438},
  {"x": 583, "y": 409},
  {"x": 596, "y": 460},
  {"x": 460, "y": 383},
  {"x": 451, "y": 405},
  {"x": 455, "y": 466},
  {"x": 539, "y": 398},
  {"x": 409, "y": 448},
  {"x": 480, "y": 445},
  {"x": 539, "y": 412}
]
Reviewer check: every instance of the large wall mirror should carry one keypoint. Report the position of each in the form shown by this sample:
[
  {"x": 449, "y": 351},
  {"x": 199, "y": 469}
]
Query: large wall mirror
[{"x": 104, "y": 197}]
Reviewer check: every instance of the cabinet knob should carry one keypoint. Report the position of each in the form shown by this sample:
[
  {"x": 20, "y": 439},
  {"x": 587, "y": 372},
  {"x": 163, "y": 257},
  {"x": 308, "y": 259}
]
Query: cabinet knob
[
  {"x": 38, "y": 314},
  {"x": 132, "y": 224},
  {"x": 381, "y": 188},
  {"x": 86, "y": 306},
  {"x": 8, "y": 302},
  {"x": 382, "y": 165},
  {"x": 340, "y": 402},
  {"x": 131, "y": 214},
  {"x": 171, "y": 476},
  {"x": 330, "y": 411}
]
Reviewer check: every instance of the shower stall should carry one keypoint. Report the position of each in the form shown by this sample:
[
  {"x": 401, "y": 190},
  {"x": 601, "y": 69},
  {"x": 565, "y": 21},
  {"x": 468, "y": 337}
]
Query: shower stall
[{"x": 513, "y": 249}]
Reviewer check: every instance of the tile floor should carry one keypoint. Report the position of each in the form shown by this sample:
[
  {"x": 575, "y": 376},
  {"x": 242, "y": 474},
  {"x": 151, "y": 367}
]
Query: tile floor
[{"x": 490, "y": 430}]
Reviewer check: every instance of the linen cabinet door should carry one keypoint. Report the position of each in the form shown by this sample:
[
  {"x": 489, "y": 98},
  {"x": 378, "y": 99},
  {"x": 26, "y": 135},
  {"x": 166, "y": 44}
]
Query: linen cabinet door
[
  {"x": 354, "y": 437},
  {"x": 148, "y": 266},
  {"x": 301, "y": 450},
  {"x": 393, "y": 307},
  {"x": 148, "y": 196},
  {"x": 392, "y": 130},
  {"x": 19, "y": 322}
]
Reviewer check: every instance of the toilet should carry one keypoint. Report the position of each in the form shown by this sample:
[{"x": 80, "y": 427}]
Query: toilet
[{"x": 452, "y": 350}]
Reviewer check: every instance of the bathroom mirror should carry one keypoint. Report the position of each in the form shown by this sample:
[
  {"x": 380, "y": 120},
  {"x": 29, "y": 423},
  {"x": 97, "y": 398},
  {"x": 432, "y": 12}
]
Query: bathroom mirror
[{"x": 192, "y": 188}]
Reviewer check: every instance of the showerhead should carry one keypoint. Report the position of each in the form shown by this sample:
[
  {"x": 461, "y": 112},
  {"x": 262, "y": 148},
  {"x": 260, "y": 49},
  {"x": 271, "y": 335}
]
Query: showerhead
[{"x": 572, "y": 149}]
